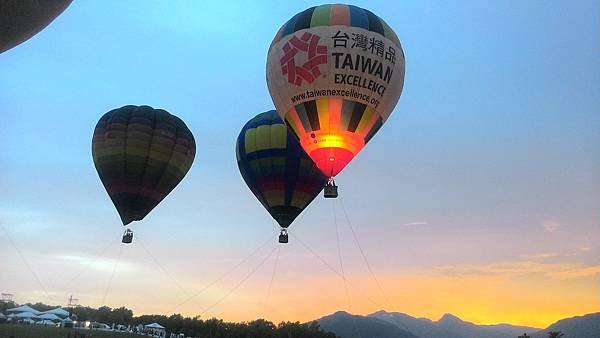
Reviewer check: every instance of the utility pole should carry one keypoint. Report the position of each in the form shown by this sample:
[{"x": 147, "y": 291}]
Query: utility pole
[{"x": 72, "y": 304}]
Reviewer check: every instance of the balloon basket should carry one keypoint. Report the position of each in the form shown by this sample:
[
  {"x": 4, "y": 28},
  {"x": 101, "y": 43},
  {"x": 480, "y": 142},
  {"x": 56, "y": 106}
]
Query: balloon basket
[{"x": 331, "y": 190}]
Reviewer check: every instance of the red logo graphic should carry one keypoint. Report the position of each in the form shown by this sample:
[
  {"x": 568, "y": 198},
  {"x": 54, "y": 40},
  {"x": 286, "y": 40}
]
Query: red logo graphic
[{"x": 309, "y": 71}]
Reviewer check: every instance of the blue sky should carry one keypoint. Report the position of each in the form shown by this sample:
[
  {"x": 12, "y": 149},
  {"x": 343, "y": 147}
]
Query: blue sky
[{"x": 491, "y": 155}]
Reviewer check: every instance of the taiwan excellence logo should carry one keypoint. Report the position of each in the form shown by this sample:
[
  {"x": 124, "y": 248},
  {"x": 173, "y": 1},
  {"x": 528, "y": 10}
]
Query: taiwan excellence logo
[{"x": 308, "y": 47}]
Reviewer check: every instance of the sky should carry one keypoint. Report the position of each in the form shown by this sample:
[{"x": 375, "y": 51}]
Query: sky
[{"x": 479, "y": 196}]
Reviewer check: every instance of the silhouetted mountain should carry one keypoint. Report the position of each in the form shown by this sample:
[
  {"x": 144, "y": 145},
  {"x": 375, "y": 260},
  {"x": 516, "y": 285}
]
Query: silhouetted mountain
[
  {"x": 346, "y": 325},
  {"x": 450, "y": 326},
  {"x": 463, "y": 329},
  {"x": 422, "y": 327},
  {"x": 587, "y": 326}
]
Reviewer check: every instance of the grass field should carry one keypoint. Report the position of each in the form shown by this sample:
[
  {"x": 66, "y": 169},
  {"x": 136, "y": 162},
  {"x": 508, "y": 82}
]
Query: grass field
[{"x": 30, "y": 331}]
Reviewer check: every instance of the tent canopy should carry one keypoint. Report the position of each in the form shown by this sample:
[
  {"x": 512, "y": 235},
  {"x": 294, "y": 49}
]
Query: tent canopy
[
  {"x": 24, "y": 308},
  {"x": 154, "y": 326},
  {"x": 49, "y": 316},
  {"x": 26, "y": 315},
  {"x": 58, "y": 311}
]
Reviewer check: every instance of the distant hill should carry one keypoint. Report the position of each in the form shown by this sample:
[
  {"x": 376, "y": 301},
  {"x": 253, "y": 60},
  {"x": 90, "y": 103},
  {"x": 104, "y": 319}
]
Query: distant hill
[
  {"x": 346, "y": 325},
  {"x": 587, "y": 326},
  {"x": 450, "y": 326}
]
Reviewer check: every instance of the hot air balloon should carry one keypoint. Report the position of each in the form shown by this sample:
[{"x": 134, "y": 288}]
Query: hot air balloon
[
  {"x": 141, "y": 154},
  {"x": 22, "y": 19},
  {"x": 276, "y": 169},
  {"x": 335, "y": 73}
]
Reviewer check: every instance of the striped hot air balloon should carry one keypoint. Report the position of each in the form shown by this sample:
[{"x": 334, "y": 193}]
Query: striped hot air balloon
[
  {"x": 276, "y": 169},
  {"x": 141, "y": 154},
  {"x": 22, "y": 19},
  {"x": 335, "y": 73}
]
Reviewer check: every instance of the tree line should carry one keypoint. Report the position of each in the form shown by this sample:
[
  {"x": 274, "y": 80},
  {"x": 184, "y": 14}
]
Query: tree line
[{"x": 191, "y": 326}]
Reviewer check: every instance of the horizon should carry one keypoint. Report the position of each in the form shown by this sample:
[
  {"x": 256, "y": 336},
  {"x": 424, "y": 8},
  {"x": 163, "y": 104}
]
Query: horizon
[{"x": 479, "y": 197}]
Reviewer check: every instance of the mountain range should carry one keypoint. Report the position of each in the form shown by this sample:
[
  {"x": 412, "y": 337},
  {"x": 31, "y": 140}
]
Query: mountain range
[{"x": 382, "y": 324}]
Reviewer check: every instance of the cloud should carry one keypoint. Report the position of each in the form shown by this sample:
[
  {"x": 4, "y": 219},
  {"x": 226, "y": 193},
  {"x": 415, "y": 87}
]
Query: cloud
[
  {"x": 550, "y": 226},
  {"x": 560, "y": 271},
  {"x": 540, "y": 256},
  {"x": 410, "y": 224},
  {"x": 100, "y": 264},
  {"x": 577, "y": 272},
  {"x": 585, "y": 248}
]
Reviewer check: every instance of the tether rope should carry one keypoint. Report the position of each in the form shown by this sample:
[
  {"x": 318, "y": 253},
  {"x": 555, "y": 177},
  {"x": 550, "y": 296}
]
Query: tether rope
[
  {"x": 339, "y": 251},
  {"x": 112, "y": 275},
  {"x": 248, "y": 275},
  {"x": 272, "y": 279},
  {"x": 35, "y": 276},
  {"x": 206, "y": 287}
]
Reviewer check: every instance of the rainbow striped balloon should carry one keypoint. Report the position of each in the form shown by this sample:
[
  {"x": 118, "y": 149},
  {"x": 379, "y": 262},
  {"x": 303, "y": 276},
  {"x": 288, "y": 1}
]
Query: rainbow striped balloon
[
  {"x": 141, "y": 154},
  {"x": 276, "y": 169}
]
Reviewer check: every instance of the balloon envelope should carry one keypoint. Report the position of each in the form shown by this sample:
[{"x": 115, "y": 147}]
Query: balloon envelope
[
  {"x": 141, "y": 154},
  {"x": 335, "y": 73},
  {"x": 276, "y": 169},
  {"x": 22, "y": 19}
]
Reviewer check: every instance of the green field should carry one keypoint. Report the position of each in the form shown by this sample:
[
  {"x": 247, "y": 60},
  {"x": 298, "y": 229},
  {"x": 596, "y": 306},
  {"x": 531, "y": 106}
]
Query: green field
[{"x": 29, "y": 331}]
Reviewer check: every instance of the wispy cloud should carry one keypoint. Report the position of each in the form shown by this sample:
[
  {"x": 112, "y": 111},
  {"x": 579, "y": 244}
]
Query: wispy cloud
[
  {"x": 100, "y": 264},
  {"x": 540, "y": 256},
  {"x": 550, "y": 226},
  {"x": 410, "y": 224},
  {"x": 561, "y": 271},
  {"x": 585, "y": 248}
]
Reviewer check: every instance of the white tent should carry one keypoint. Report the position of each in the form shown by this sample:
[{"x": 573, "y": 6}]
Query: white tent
[
  {"x": 29, "y": 315},
  {"x": 49, "y": 316},
  {"x": 23, "y": 308},
  {"x": 2, "y": 316},
  {"x": 154, "y": 326},
  {"x": 59, "y": 312}
]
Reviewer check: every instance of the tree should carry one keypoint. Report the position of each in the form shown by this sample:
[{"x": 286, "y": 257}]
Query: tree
[{"x": 555, "y": 334}]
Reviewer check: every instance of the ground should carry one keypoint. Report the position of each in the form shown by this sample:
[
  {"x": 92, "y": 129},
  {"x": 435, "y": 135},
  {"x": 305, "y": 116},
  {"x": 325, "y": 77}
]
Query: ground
[{"x": 30, "y": 331}]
